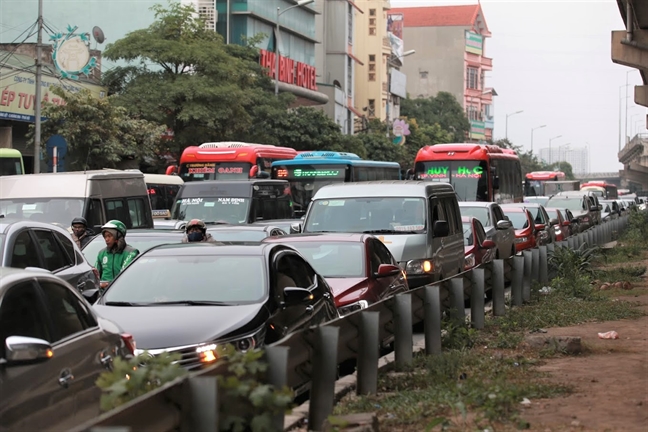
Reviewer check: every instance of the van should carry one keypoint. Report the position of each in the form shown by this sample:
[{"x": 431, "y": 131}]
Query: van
[
  {"x": 233, "y": 202},
  {"x": 162, "y": 191},
  {"x": 419, "y": 222},
  {"x": 98, "y": 196}
]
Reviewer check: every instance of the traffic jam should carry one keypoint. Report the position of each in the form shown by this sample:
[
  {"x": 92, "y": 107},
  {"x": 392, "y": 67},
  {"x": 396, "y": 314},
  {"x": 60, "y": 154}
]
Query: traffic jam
[{"x": 243, "y": 244}]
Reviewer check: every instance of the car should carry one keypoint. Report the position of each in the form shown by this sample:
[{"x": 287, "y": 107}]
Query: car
[
  {"x": 497, "y": 227},
  {"x": 582, "y": 207},
  {"x": 543, "y": 223},
  {"x": 290, "y": 226},
  {"x": 244, "y": 233},
  {"x": 53, "y": 347},
  {"x": 168, "y": 224},
  {"x": 191, "y": 298},
  {"x": 574, "y": 225},
  {"x": 27, "y": 244},
  {"x": 358, "y": 267},
  {"x": 525, "y": 229},
  {"x": 542, "y": 200},
  {"x": 610, "y": 211},
  {"x": 562, "y": 227},
  {"x": 142, "y": 240},
  {"x": 479, "y": 249}
]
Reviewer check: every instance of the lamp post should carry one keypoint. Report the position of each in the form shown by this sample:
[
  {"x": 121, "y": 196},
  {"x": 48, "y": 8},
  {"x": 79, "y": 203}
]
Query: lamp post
[
  {"x": 533, "y": 129},
  {"x": 390, "y": 63},
  {"x": 507, "y": 116},
  {"x": 550, "y": 154},
  {"x": 280, "y": 12}
]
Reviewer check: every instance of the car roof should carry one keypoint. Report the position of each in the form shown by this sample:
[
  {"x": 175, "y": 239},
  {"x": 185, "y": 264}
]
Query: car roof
[
  {"x": 517, "y": 209},
  {"x": 192, "y": 249},
  {"x": 9, "y": 276},
  {"x": 319, "y": 237},
  {"x": 519, "y": 205},
  {"x": 393, "y": 188},
  {"x": 483, "y": 204},
  {"x": 224, "y": 227},
  {"x": 7, "y": 224}
]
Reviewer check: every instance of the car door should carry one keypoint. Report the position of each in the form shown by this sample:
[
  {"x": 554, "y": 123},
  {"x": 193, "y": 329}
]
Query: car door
[
  {"x": 390, "y": 285},
  {"x": 505, "y": 237},
  {"x": 79, "y": 267},
  {"x": 454, "y": 245},
  {"x": 55, "y": 258}
]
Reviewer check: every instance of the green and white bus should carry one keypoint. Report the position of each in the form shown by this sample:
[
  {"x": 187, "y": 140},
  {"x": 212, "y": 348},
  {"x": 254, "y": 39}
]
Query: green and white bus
[{"x": 11, "y": 162}]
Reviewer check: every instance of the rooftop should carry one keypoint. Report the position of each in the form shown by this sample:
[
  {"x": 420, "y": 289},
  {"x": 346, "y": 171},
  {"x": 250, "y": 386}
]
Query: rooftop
[{"x": 442, "y": 16}]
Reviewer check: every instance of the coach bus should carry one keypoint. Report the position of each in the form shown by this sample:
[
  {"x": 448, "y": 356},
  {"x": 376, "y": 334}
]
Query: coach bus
[
  {"x": 603, "y": 189},
  {"x": 230, "y": 161},
  {"x": 11, "y": 162},
  {"x": 535, "y": 181},
  {"x": 477, "y": 172},
  {"x": 309, "y": 171}
]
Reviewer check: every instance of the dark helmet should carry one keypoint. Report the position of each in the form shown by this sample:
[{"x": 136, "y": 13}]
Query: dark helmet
[
  {"x": 196, "y": 223},
  {"x": 80, "y": 221}
]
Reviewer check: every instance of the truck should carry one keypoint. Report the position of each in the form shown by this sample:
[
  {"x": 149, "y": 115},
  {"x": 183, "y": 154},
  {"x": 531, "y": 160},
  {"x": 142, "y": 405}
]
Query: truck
[{"x": 552, "y": 188}]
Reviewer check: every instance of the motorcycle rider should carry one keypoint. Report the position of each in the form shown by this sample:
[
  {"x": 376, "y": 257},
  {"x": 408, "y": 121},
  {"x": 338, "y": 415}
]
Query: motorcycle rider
[
  {"x": 81, "y": 234},
  {"x": 196, "y": 232},
  {"x": 116, "y": 256}
]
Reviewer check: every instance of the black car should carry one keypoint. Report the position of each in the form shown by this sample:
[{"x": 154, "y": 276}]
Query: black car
[{"x": 191, "y": 298}]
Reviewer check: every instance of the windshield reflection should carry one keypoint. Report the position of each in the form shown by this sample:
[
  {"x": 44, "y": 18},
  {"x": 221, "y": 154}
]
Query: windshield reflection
[{"x": 59, "y": 211}]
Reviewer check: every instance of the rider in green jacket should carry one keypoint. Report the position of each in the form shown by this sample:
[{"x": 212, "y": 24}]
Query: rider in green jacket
[{"x": 116, "y": 255}]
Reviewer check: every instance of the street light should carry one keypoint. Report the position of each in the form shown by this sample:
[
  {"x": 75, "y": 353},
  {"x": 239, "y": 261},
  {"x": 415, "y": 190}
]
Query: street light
[
  {"x": 532, "y": 129},
  {"x": 550, "y": 155},
  {"x": 507, "y": 116},
  {"x": 280, "y": 12},
  {"x": 390, "y": 63}
]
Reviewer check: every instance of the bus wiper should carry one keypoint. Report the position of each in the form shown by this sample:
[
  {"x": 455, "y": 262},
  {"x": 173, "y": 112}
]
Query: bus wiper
[
  {"x": 380, "y": 231},
  {"x": 191, "y": 303},
  {"x": 120, "y": 303}
]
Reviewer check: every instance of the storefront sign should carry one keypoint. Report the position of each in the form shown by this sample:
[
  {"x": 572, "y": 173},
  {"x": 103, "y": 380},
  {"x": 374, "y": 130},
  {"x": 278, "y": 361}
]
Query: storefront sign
[
  {"x": 477, "y": 129},
  {"x": 71, "y": 53},
  {"x": 474, "y": 43},
  {"x": 290, "y": 71},
  {"x": 18, "y": 89}
]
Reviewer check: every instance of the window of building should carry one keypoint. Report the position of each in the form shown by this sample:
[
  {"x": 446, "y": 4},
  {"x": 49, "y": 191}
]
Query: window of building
[
  {"x": 372, "y": 58},
  {"x": 372, "y": 76},
  {"x": 349, "y": 77},
  {"x": 371, "y": 108},
  {"x": 372, "y": 31},
  {"x": 423, "y": 74},
  {"x": 372, "y": 67},
  {"x": 472, "y": 112},
  {"x": 350, "y": 19},
  {"x": 372, "y": 12},
  {"x": 372, "y": 22},
  {"x": 472, "y": 77}
]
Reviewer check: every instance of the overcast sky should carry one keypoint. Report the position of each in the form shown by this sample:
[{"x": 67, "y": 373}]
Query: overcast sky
[{"x": 552, "y": 59}]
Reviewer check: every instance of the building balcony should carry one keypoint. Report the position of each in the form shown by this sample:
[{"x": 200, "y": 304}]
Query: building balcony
[
  {"x": 384, "y": 87},
  {"x": 386, "y": 43},
  {"x": 487, "y": 62}
]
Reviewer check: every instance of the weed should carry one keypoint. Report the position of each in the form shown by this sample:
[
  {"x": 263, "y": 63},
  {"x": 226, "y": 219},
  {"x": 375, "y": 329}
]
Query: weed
[
  {"x": 630, "y": 273},
  {"x": 567, "y": 263},
  {"x": 457, "y": 335}
]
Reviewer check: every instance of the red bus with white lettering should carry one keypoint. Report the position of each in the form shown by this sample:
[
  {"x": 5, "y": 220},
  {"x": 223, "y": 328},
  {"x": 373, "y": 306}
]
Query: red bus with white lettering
[
  {"x": 535, "y": 181},
  {"x": 477, "y": 172},
  {"x": 230, "y": 161}
]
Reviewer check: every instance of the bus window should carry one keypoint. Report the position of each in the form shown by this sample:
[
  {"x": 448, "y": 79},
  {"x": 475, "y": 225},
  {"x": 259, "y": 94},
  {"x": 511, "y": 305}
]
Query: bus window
[{"x": 11, "y": 162}]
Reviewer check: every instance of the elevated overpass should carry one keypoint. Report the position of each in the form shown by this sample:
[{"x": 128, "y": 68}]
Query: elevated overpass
[
  {"x": 611, "y": 177},
  {"x": 634, "y": 157}
]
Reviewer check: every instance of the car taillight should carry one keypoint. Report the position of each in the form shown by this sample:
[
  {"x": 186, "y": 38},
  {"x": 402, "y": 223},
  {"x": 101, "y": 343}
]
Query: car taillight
[{"x": 129, "y": 341}]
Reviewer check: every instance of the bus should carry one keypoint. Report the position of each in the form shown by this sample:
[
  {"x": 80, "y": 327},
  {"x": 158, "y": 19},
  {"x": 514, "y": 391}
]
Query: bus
[
  {"x": 603, "y": 189},
  {"x": 535, "y": 181},
  {"x": 310, "y": 171},
  {"x": 230, "y": 161},
  {"x": 11, "y": 162},
  {"x": 477, "y": 172}
]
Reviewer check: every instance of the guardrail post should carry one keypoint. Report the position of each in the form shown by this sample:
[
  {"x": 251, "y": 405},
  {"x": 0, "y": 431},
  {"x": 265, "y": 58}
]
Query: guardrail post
[
  {"x": 544, "y": 266},
  {"x": 551, "y": 249},
  {"x": 324, "y": 376},
  {"x": 201, "y": 404},
  {"x": 499, "y": 306},
  {"x": 432, "y": 320},
  {"x": 477, "y": 292},
  {"x": 458, "y": 312},
  {"x": 528, "y": 266},
  {"x": 368, "y": 353},
  {"x": 277, "y": 375},
  {"x": 518, "y": 278},
  {"x": 570, "y": 241},
  {"x": 403, "y": 330},
  {"x": 535, "y": 264}
]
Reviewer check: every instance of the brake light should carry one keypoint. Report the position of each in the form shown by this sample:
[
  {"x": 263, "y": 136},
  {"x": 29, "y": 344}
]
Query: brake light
[{"x": 129, "y": 341}]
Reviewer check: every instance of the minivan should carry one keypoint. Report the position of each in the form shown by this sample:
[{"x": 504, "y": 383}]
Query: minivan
[
  {"x": 98, "y": 196},
  {"x": 418, "y": 221}
]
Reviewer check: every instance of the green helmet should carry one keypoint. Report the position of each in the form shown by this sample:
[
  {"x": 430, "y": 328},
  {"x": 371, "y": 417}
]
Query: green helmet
[{"x": 116, "y": 225}]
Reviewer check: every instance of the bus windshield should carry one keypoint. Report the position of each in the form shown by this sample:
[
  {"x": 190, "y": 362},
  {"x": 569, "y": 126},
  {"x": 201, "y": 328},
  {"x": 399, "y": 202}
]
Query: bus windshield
[
  {"x": 305, "y": 180},
  {"x": 10, "y": 166},
  {"x": 469, "y": 178},
  {"x": 212, "y": 209},
  {"x": 197, "y": 171}
]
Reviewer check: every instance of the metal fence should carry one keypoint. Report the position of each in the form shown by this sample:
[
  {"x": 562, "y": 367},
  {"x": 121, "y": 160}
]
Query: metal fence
[{"x": 312, "y": 356}]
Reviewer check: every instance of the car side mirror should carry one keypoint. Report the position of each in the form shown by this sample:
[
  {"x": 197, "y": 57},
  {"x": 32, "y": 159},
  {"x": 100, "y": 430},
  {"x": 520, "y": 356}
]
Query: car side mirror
[
  {"x": 567, "y": 223},
  {"x": 440, "y": 228},
  {"x": 295, "y": 228},
  {"x": 294, "y": 296},
  {"x": 540, "y": 227},
  {"x": 504, "y": 225},
  {"x": 22, "y": 349},
  {"x": 386, "y": 270},
  {"x": 488, "y": 244},
  {"x": 91, "y": 295}
]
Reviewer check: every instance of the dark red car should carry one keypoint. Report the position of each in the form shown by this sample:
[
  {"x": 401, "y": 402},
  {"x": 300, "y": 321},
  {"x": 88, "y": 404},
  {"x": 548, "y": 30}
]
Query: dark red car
[
  {"x": 525, "y": 231},
  {"x": 562, "y": 228},
  {"x": 478, "y": 249},
  {"x": 358, "y": 267}
]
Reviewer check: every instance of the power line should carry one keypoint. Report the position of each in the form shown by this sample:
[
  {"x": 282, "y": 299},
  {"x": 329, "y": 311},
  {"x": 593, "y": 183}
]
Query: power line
[{"x": 11, "y": 53}]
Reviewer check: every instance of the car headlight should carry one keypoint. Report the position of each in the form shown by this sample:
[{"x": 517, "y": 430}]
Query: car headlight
[
  {"x": 469, "y": 261},
  {"x": 419, "y": 267},
  {"x": 352, "y": 307},
  {"x": 557, "y": 228},
  {"x": 521, "y": 239}
]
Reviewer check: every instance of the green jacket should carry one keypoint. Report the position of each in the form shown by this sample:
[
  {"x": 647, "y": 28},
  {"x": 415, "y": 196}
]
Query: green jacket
[{"x": 110, "y": 264}]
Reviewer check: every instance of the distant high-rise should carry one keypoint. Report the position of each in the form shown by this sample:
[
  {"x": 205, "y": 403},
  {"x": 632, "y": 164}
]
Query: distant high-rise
[{"x": 578, "y": 158}]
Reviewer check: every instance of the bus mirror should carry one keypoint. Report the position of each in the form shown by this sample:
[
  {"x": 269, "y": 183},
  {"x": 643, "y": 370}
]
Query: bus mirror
[
  {"x": 171, "y": 170},
  {"x": 496, "y": 182},
  {"x": 263, "y": 175},
  {"x": 253, "y": 171}
]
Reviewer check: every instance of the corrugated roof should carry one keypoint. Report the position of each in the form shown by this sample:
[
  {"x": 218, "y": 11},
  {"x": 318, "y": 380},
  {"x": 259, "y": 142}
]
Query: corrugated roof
[{"x": 438, "y": 16}]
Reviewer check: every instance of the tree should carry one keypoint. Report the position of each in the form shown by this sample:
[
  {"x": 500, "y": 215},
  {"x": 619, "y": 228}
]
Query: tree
[
  {"x": 443, "y": 110},
  {"x": 184, "y": 76},
  {"x": 98, "y": 133}
]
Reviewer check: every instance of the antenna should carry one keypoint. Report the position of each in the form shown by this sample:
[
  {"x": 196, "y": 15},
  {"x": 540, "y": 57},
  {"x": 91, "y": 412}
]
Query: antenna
[{"x": 98, "y": 34}]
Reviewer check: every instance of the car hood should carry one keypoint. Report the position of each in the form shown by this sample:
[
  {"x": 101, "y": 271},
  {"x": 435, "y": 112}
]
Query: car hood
[
  {"x": 405, "y": 247},
  {"x": 579, "y": 213},
  {"x": 172, "y": 326}
]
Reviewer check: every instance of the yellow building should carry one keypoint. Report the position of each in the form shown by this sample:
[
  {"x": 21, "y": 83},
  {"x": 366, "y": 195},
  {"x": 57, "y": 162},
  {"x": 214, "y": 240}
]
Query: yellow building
[{"x": 374, "y": 49}]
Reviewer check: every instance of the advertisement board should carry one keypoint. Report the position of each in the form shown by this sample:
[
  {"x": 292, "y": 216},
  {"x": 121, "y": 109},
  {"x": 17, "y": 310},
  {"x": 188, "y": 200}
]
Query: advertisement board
[
  {"x": 398, "y": 84},
  {"x": 474, "y": 43},
  {"x": 395, "y": 24}
]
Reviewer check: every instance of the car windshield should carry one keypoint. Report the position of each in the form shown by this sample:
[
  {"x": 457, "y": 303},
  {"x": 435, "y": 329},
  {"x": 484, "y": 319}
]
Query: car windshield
[
  {"x": 374, "y": 215},
  {"x": 467, "y": 234},
  {"x": 518, "y": 219},
  {"x": 142, "y": 244},
  {"x": 212, "y": 209},
  {"x": 193, "y": 278},
  {"x": 573, "y": 204},
  {"x": 344, "y": 259},
  {"x": 480, "y": 213},
  {"x": 59, "y": 211},
  {"x": 238, "y": 235}
]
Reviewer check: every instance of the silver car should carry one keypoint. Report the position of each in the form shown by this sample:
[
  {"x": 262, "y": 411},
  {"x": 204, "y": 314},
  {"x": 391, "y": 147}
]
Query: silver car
[
  {"x": 497, "y": 226},
  {"x": 53, "y": 347},
  {"x": 31, "y": 244}
]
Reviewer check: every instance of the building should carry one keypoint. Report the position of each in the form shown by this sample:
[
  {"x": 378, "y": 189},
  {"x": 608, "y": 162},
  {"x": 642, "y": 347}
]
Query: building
[
  {"x": 336, "y": 61},
  {"x": 450, "y": 44},
  {"x": 578, "y": 158}
]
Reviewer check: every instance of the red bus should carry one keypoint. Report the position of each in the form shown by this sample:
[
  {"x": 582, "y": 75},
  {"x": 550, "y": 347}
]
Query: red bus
[
  {"x": 477, "y": 172},
  {"x": 603, "y": 189},
  {"x": 230, "y": 161},
  {"x": 534, "y": 182}
]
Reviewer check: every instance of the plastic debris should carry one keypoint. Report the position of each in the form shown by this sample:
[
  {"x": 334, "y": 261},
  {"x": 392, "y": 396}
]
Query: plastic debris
[
  {"x": 526, "y": 402},
  {"x": 545, "y": 290},
  {"x": 609, "y": 335}
]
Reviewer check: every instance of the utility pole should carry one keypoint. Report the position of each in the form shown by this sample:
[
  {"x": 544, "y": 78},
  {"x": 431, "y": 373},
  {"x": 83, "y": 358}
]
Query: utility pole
[
  {"x": 37, "y": 96},
  {"x": 625, "y": 137}
]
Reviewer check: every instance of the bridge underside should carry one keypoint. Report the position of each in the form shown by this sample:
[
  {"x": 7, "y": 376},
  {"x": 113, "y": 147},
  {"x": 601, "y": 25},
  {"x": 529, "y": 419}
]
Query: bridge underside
[{"x": 630, "y": 47}]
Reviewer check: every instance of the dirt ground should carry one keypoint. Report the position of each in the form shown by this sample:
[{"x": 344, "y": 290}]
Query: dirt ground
[{"x": 610, "y": 379}]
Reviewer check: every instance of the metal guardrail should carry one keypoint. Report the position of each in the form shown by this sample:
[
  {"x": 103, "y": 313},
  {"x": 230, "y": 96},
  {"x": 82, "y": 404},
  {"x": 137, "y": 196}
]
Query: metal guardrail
[{"x": 312, "y": 356}]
